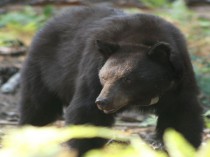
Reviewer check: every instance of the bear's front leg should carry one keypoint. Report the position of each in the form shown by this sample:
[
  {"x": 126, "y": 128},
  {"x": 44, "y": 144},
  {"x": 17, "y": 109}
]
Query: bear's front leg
[
  {"x": 38, "y": 105},
  {"x": 83, "y": 110},
  {"x": 185, "y": 116}
]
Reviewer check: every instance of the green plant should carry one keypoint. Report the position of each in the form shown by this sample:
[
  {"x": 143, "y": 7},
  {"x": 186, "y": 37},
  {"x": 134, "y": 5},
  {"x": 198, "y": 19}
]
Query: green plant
[
  {"x": 155, "y": 3},
  {"x": 46, "y": 142},
  {"x": 21, "y": 25}
]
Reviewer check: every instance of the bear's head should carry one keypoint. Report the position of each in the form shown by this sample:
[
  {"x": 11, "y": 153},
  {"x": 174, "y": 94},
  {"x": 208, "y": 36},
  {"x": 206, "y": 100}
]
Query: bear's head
[{"x": 135, "y": 74}]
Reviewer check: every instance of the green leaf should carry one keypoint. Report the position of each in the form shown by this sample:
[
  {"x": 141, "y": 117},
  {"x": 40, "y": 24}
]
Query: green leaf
[
  {"x": 177, "y": 146},
  {"x": 204, "y": 151}
]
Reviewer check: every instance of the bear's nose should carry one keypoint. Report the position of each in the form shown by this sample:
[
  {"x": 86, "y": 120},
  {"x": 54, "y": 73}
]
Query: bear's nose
[{"x": 101, "y": 102}]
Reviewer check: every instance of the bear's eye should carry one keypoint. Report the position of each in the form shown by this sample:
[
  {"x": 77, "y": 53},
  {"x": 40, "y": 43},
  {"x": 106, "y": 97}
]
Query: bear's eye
[{"x": 126, "y": 80}]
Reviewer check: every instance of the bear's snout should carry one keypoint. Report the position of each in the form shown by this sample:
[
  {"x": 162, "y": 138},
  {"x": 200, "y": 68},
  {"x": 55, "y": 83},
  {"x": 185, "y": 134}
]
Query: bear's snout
[
  {"x": 105, "y": 105},
  {"x": 102, "y": 103}
]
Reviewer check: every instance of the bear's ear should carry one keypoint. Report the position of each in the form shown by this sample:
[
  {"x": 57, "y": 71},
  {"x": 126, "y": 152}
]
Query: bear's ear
[
  {"x": 106, "y": 48},
  {"x": 160, "y": 52},
  {"x": 163, "y": 53}
]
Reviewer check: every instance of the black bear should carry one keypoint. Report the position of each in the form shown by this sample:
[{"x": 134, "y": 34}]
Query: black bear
[{"x": 99, "y": 61}]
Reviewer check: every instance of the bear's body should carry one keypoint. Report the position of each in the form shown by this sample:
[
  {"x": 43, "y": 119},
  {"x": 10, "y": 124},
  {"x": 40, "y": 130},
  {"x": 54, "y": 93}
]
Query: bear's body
[{"x": 100, "y": 61}]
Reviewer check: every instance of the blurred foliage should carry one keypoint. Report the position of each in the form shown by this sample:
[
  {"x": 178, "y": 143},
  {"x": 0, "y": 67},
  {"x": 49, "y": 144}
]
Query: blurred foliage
[
  {"x": 21, "y": 25},
  {"x": 49, "y": 142},
  {"x": 155, "y": 3},
  {"x": 30, "y": 141},
  {"x": 207, "y": 118},
  {"x": 177, "y": 146}
]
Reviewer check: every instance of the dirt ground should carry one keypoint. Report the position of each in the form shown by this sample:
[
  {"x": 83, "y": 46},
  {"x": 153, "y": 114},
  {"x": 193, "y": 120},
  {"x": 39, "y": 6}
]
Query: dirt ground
[{"x": 9, "y": 101}]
